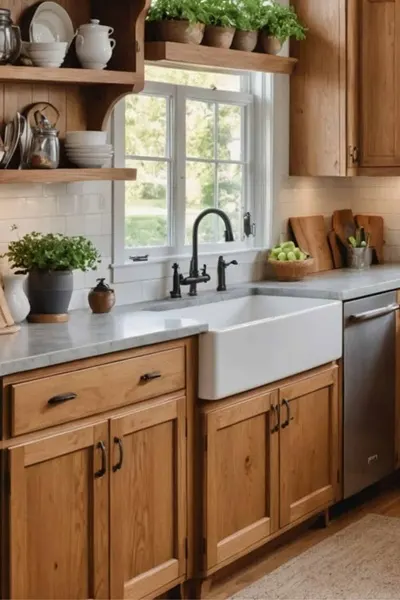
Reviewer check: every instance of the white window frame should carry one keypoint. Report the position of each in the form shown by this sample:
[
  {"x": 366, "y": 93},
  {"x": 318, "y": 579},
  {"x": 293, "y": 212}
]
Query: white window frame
[{"x": 256, "y": 101}]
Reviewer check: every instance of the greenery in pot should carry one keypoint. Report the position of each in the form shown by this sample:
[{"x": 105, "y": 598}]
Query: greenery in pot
[
  {"x": 176, "y": 10},
  {"x": 50, "y": 259},
  {"x": 219, "y": 13},
  {"x": 281, "y": 22},
  {"x": 52, "y": 252},
  {"x": 250, "y": 15}
]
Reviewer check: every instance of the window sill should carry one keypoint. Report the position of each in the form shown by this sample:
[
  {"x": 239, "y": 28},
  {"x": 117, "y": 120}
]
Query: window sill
[{"x": 159, "y": 267}]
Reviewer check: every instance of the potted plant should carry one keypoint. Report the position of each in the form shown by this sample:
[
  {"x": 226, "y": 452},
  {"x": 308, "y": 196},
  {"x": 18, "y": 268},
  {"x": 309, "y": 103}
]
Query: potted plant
[
  {"x": 49, "y": 260},
  {"x": 175, "y": 21},
  {"x": 248, "y": 20},
  {"x": 219, "y": 17},
  {"x": 279, "y": 24}
]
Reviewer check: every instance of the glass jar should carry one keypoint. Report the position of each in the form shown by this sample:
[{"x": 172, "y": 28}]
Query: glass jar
[{"x": 45, "y": 149}]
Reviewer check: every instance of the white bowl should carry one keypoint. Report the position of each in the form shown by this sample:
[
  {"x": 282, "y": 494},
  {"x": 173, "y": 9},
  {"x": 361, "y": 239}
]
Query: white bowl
[
  {"x": 46, "y": 46},
  {"x": 92, "y": 163},
  {"x": 90, "y": 150},
  {"x": 48, "y": 64},
  {"x": 91, "y": 138},
  {"x": 89, "y": 156},
  {"x": 43, "y": 54}
]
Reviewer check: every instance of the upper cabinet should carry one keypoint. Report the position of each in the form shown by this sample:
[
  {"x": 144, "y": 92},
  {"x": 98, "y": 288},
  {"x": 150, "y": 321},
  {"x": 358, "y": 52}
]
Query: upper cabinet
[{"x": 344, "y": 92}]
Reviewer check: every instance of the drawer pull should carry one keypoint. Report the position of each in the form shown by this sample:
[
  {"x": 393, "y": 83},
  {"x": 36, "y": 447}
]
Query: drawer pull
[
  {"x": 289, "y": 417},
  {"x": 150, "y": 376},
  {"x": 118, "y": 466},
  {"x": 62, "y": 398},
  {"x": 102, "y": 471}
]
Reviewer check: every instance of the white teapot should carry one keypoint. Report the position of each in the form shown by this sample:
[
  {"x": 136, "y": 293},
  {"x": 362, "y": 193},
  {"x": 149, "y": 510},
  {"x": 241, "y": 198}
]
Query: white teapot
[{"x": 93, "y": 44}]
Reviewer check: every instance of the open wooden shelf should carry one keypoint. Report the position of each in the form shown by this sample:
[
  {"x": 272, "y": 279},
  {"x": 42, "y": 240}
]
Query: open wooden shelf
[
  {"x": 65, "y": 175},
  {"x": 190, "y": 54},
  {"x": 71, "y": 76}
]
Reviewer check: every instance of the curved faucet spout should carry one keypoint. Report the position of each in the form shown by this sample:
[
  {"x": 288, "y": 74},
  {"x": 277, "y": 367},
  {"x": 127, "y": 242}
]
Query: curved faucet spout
[{"x": 194, "y": 276}]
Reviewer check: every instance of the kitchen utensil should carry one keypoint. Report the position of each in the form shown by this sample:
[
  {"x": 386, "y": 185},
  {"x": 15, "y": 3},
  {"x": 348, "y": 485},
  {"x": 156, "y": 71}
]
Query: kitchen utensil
[
  {"x": 46, "y": 54},
  {"x": 344, "y": 225},
  {"x": 337, "y": 250},
  {"x": 93, "y": 44},
  {"x": 311, "y": 237},
  {"x": 24, "y": 141},
  {"x": 14, "y": 135},
  {"x": 47, "y": 109},
  {"x": 10, "y": 38},
  {"x": 374, "y": 227},
  {"x": 359, "y": 258},
  {"x": 51, "y": 23}
]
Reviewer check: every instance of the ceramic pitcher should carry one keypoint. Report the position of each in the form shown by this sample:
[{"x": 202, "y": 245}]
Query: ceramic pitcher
[
  {"x": 94, "y": 46},
  {"x": 16, "y": 299}
]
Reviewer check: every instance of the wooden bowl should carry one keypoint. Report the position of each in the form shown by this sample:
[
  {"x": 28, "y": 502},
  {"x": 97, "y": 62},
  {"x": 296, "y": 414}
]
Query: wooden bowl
[{"x": 291, "y": 270}]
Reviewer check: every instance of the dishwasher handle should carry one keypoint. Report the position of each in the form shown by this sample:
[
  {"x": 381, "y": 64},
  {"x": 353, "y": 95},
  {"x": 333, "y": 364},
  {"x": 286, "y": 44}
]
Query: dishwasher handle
[{"x": 373, "y": 314}]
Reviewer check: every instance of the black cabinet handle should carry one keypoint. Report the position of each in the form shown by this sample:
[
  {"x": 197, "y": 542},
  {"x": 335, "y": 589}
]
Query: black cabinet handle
[
  {"x": 101, "y": 446},
  {"x": 62, "y": 398},
  {"x": 288, "y": 417},
  {"x": 275, "y": 410},
  {"x": 118, "y": 466},
  {"x": 150, "y": 376}
]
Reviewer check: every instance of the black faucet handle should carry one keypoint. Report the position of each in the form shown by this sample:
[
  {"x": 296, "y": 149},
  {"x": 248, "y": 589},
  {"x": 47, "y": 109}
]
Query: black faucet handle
[
  {"x": 204, "y": 271},
  {"x": 233, "y": 262}
]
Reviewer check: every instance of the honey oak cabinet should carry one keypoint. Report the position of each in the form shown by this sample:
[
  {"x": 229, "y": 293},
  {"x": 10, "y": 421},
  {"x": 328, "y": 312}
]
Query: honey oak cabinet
[
  {"x": 308, "y": 446},
  {"x": 270, "y": 459},
  {"x": 344, "y": 92},
  {"x": 148, "y": 498},
  {"x": 58, "y": 516},
  {"x": 240, "y": 475}
]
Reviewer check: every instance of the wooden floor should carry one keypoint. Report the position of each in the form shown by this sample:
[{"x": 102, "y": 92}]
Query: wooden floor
[{"x": 383, "y": 500}]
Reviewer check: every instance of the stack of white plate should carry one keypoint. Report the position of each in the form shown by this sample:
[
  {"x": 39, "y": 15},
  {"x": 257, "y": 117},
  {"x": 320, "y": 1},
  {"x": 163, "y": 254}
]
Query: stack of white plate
[{"x": 88, "y": 149}]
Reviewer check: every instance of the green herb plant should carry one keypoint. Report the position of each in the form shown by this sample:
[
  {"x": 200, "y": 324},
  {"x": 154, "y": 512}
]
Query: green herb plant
[
  {"x": 250, "y": 15},
  {"x": 219, "y": 13},
  {"x": 177, "y": 10},
  {"x": 52, "y": 252},
  {"x": 282, "y": 22}
]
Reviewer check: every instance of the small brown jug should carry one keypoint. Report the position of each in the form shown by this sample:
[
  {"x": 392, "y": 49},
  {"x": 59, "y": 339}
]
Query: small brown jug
[{"x": 101, "y": 298}]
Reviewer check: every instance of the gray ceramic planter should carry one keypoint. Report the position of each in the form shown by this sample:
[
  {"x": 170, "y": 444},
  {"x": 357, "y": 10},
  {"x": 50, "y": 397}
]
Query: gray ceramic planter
[{"x": 50, "y": 292}]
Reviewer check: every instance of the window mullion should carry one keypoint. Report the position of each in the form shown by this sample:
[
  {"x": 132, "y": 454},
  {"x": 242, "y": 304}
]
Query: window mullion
[{"x": 179, "y": 200}]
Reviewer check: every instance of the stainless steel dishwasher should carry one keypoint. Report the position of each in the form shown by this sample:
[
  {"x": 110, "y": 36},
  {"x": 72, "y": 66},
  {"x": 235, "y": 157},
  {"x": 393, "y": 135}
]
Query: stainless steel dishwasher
[{"x": 369, "y": 384}]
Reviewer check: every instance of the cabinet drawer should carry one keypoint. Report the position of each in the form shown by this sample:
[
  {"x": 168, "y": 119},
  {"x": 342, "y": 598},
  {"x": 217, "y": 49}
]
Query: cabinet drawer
[{"x": 61, "y": 398}]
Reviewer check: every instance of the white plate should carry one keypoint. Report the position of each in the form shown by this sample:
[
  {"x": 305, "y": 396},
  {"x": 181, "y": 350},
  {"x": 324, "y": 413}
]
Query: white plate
[{"x": 51, "y": 23}]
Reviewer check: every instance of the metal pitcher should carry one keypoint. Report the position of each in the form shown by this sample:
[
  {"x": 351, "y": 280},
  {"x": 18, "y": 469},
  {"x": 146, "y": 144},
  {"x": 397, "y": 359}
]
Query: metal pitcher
[{"x": 10, "y": 38}]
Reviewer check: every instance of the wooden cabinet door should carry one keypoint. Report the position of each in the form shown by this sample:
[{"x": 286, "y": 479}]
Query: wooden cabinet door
[
  {"x": 309, "y": 445},
  {"x": 59, "y": 516},
  {"x": 241, "y": 475},
  {"x": 380, "y": 83},
  {"x": 148, "y": 498}
]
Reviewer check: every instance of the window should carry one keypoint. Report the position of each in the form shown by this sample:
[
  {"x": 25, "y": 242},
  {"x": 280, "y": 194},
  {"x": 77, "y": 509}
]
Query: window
[{"x": 189, "y": 134}]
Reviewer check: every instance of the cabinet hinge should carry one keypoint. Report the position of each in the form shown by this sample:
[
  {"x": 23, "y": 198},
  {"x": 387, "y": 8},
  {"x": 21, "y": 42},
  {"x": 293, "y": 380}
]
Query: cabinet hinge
[
  {"x": 204, "y": 545},
  {"x": 354, "y": 155},
  {"x": 186, "y": 548}
]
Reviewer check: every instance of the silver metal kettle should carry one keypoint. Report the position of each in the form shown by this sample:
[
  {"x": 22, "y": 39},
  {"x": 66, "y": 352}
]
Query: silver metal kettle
[{"x": 10, "y": 38}]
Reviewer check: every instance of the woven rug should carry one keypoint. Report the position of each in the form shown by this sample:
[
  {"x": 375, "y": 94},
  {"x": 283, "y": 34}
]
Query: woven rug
[{"x": 361, "y": 562}]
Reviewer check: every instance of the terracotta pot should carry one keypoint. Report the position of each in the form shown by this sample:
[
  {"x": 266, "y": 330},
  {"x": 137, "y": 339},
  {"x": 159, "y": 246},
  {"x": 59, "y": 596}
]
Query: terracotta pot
[
  {"x": 245, "y": 40},
  {"x": 218, "y": 37},
  {"x": 182, "y": 32},
  {"x": 270, "y": 44}
]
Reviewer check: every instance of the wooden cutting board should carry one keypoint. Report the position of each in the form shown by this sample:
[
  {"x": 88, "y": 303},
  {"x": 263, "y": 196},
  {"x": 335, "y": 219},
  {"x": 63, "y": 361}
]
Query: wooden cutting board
[
  {"x": 375, "y": 227},
  {"x": 344, "y": 225},
  {"x": 337, "y": 249},
  {"x": 311, "y": 236}
]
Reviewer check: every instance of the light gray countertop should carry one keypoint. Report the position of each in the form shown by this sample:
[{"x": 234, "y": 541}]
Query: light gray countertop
[
  {"x": 86, "y": 335},
  {"x": 340, "y": 284}
]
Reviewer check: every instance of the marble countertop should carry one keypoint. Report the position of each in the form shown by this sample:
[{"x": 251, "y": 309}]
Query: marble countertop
[
  {"x": 340, "y": 284},
  {"x": 86, "y": 335}
]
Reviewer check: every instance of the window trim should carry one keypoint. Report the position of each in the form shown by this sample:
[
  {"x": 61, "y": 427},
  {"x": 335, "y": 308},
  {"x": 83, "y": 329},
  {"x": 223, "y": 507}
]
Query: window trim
[{"x": 258, "y": 99}]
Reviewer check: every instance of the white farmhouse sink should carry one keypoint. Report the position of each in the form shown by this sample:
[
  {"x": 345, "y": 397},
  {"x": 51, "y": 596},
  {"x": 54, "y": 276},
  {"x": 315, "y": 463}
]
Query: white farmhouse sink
[{"x": 257, "y": 340}]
